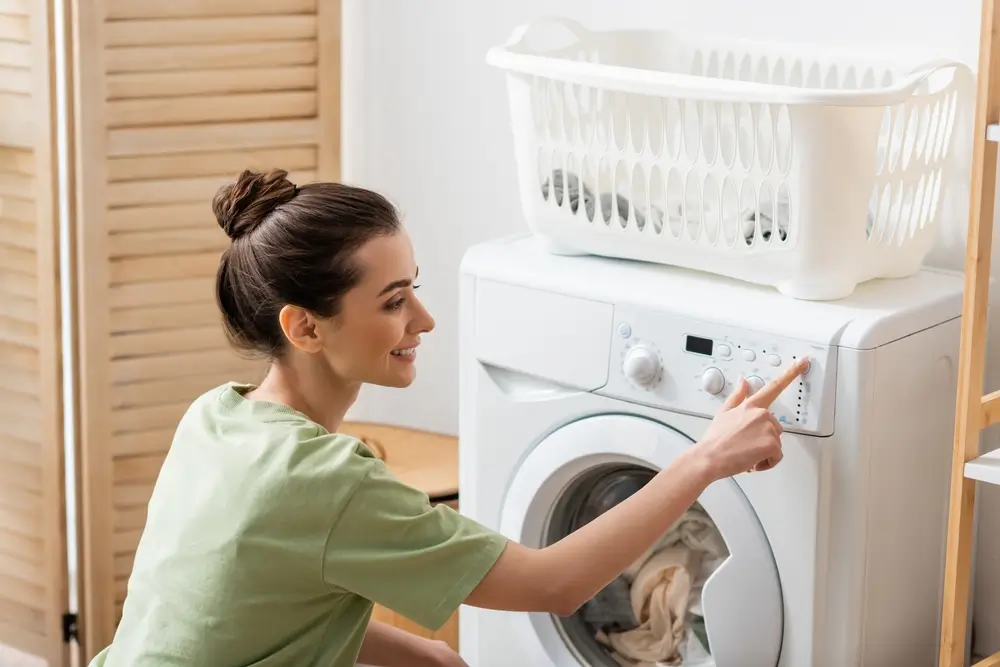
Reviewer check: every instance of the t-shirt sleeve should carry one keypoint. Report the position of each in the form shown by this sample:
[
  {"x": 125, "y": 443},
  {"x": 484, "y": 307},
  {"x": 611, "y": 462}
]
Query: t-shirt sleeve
[{"x": 391, "y": 546}]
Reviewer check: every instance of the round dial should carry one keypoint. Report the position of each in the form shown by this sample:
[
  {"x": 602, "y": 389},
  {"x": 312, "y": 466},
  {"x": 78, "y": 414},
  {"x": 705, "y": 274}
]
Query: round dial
[
  {"x": 641, "y": 366},
  {"x": 755, "y": 384},
  {"x": 713, "y": 381}
]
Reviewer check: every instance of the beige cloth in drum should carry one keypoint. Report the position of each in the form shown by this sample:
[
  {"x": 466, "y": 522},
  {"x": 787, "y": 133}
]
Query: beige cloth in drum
[
  {"x": 660, "y": 596},
  {"x": 666, "y": 586},
  {"x": 693, "y": 530}
]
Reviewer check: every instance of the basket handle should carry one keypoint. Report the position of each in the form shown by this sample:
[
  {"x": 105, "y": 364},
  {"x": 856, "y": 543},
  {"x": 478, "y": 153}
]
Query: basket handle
[
  {"x": 522, "y": 32},
  {"x": 675, "y": 84},
  {"x": 918, "y": 75}
]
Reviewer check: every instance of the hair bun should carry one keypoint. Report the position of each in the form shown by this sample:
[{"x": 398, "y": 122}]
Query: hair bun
[{"x": 241, "y": 206}]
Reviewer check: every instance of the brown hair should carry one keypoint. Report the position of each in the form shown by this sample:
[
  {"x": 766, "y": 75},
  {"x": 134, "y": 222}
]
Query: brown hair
[{"x": 290, "y": 245}]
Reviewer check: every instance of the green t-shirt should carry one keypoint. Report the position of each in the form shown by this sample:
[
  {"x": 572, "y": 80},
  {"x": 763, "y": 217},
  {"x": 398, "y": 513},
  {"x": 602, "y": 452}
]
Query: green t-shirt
[{"x": 268, "y": 539}]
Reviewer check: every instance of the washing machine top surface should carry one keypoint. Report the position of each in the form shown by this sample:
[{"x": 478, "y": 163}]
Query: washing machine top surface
[{"x": 877, "y": 313}]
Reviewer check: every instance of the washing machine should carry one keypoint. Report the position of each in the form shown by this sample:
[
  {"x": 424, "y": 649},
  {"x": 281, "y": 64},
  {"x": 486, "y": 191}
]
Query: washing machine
[{"x": 582, "y": 376}]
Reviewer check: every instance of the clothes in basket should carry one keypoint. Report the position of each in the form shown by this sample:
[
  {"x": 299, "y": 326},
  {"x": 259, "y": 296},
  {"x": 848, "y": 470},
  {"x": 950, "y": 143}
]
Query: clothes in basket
[{"x": 568, "y": 185}]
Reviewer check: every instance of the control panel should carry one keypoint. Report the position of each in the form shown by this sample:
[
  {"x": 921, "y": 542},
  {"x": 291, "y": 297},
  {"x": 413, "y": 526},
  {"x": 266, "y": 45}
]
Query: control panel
[{"x": 687, "y": 366}]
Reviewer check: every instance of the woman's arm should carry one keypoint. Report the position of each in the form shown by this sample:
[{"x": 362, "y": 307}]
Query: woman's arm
[
  {"x": 561, "y": 577},
  {"x": 386, "y": 646}
]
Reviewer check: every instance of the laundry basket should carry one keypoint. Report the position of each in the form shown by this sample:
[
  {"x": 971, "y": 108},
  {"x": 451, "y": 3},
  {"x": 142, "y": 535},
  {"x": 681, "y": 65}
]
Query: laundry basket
[{"x": 775, "y": 164}]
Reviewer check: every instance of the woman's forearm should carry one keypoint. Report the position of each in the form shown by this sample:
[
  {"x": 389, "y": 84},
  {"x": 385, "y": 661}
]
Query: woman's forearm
[
  {"x": 587, "y": 560},
  {"x": 561, "y": 577},
  {"x": 387, "y": 646}
]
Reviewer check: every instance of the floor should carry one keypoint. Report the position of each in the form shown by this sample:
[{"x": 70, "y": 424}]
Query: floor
[{"x": 11, "y": 658}]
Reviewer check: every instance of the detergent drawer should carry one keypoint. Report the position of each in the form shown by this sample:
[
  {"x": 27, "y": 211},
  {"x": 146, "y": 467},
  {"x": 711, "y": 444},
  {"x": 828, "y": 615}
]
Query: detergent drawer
[{"x": 565, "y": 340}]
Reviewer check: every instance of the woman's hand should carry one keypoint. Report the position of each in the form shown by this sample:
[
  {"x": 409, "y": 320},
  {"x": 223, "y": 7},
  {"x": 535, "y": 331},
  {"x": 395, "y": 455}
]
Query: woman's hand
[{"x": 745, "y": 435}]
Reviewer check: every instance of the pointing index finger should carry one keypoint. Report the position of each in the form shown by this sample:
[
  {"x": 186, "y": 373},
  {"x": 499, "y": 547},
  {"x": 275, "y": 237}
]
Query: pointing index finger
[{"x": 770, "y": 392}]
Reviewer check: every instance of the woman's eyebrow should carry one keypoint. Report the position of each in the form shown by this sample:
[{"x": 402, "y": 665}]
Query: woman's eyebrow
[{"x": 396, "y": 284}]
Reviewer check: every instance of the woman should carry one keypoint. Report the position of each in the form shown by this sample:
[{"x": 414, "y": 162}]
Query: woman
[{"x": 269, "y": 536}]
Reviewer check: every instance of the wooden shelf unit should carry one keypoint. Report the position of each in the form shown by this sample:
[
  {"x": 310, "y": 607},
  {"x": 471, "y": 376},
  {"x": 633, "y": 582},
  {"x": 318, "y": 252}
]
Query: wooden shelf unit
[{"x": 974, "y": 412}]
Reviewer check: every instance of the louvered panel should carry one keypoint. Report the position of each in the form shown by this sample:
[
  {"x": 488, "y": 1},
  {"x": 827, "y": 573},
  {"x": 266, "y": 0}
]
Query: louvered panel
[
  {"x": 21, "y": 592},
  {"x": 163, "y": 267},
  {"x": 192, "y": 59},
  {"x": 160, "y": 318},
  {"x": 153, "y": 112},
  {"x": 127, "y": 494},
  {"x": 21, "y": 500},
  {"x": 155, "y": 392},
  {"x": 15, "y": 284},
  {"x": 15, "y": 7},
  {"x": 127, "y": 86},
  {"x": 20, "y": 475},
  {"x": 17, "y": 234},
  {"x": 127, "y": 246},
  {"x": 19, "y": 451},
  {"x": 19, "y": 357},
  {"x": 15, "y": 28},
  {"x": 179, "y": 99},
  {"x": 15, "y": 54},
  {"x": 214, "y": 136},
  {"x": 236, "y": 30},
  {"x": 33, "y": 576},
  {"x": 151, "y": 9},
  {"x": 159, "y": 167},
  {"x": 186, "y": 339},
  {"x": 177, "y": 190},
  {"x": 179, "y": 365},
  {"x": 17, "y": 381},
  {"x": 165, "y": 216},
  {"x": 145, "y": 442}
]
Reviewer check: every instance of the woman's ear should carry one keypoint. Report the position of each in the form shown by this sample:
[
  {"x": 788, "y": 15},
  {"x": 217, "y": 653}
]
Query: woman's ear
[{"x": 299, "y": 327}]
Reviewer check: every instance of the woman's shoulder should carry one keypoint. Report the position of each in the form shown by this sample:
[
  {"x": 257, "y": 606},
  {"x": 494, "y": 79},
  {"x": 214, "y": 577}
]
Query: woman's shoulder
[{"x": 272, "y": 435}]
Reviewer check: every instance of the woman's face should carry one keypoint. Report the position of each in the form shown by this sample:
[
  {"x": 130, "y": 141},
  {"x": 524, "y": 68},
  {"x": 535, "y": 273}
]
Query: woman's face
[{"x": 374, "y": 337}]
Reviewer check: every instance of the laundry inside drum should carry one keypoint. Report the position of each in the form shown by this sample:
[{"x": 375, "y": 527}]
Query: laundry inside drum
[{"x": 652, "y": 613}]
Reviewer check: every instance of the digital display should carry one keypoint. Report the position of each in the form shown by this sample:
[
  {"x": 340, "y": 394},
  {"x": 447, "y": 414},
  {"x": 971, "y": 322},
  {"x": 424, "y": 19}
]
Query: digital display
[{"x": 699, "y": 345}]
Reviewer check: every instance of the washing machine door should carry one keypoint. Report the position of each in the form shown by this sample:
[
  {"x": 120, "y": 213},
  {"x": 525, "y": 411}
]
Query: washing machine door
[{"x": 582, "y": 469}]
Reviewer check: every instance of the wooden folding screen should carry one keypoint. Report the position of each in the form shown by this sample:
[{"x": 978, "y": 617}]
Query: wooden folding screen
[
  {"x": 174, "y": 98},
  {"x": 32, "y": 516}
]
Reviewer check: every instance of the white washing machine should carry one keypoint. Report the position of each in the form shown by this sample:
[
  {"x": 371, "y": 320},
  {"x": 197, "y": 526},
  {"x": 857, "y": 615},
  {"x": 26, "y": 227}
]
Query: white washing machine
[{"x": 585, "y": 372}]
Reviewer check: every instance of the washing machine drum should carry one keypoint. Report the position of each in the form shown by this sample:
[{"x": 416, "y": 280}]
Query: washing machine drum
[{"x": 716, "y": 561}]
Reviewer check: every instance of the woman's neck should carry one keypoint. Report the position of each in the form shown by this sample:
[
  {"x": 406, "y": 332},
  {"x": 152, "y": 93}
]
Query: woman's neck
[{"x": 310, "y": 387}]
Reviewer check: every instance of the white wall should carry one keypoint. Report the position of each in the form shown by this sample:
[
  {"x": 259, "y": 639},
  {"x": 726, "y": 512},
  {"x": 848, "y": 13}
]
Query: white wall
[{"x": 425, "y": 121}]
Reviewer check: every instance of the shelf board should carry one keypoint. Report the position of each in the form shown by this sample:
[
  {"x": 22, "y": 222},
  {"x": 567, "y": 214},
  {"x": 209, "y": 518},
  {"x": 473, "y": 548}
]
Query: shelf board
[{"x": 986, "y": 468}]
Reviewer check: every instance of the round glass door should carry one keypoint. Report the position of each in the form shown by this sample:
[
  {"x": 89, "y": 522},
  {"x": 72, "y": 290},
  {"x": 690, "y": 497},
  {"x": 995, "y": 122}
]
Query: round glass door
[{"x": 707, "y": 593}]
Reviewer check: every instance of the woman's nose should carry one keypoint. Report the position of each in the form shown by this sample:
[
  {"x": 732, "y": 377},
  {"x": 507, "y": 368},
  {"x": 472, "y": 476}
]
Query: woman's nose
[{"x": 422, "y": 321}]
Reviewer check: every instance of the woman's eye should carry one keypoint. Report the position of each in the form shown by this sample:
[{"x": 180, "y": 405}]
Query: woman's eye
[{"x": 397, "y": 303}]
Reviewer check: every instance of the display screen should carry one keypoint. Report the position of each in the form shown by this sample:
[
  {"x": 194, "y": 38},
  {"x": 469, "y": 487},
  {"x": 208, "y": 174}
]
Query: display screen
[{"x": 699, "y": 345}]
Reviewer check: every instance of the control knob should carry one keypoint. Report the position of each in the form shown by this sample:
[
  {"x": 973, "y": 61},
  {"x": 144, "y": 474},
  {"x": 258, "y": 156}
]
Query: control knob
[
  {"x": 641, "y": 366},
  {"x": 755, "y": 384},
  {"x": 713, "y": 381}
]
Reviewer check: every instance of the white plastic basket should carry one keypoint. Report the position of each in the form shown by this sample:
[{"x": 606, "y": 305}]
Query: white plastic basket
[{"x": 808, "y": 171}]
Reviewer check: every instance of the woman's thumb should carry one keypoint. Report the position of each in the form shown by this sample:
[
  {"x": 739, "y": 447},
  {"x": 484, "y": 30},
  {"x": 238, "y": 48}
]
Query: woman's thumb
[{"x": 738, "y": 396}]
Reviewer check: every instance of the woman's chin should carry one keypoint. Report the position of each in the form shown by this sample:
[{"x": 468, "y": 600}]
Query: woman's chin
[{"x": 399, "y": 379}]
